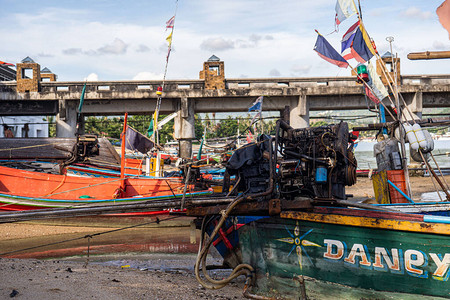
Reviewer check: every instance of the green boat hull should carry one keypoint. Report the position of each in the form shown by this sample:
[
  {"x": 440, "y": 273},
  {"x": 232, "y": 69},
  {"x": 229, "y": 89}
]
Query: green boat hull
[{"x": 345, "y": 261}]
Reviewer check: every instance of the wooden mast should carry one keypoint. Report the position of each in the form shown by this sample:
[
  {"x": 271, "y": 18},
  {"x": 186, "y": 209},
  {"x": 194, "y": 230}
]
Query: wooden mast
[{"x": 429, "y": 55}]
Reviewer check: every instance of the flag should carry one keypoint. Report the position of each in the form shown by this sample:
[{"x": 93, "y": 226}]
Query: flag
[
  {"x": 256, "y": 116},
  {"x": 327, "y": 52},
  {"x": 362, "y": 49},
  {"x": 249, "y": 137},
  {"x": 257, "y": 105},
  {"x": 152, "y": 126},
  {"x": 347, "y": 41},
  {"x": 170, "y": 23},
  {"x": 344, "y": 9},
  {"x": 82, "y": 98},
  {"x": 6, "y": 64},
  {"x": 370, "y": 95},
  {"x": 199, "y": 154},
  {"x": 137, "y": 141},
  {"x": 168, "y": 53},
  {"x": 169, "y": 39},
  {"x": 443, "y": 12},
  {"x": 357, "y": 44},
  {"x": 378, "y": 88}
]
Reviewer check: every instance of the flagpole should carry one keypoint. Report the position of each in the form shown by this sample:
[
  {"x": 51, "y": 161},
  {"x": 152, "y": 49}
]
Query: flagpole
[
  {"x": 122, "y": 159},
  {"x": 357, "y": 75}
]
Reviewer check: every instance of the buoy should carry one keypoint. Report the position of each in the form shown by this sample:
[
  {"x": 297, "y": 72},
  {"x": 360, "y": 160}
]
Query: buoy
[
  {"x": 159, "y": 91},
  {"x": 420, "y": 136},
  {"x": 429, "y": 140},
  {"x": 397, "y": 133},
  {"x": 411, "y": 136}
]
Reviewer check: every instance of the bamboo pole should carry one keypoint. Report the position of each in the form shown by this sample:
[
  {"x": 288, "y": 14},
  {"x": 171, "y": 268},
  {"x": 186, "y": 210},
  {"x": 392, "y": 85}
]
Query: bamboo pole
[{"x": 429, "y": 55}]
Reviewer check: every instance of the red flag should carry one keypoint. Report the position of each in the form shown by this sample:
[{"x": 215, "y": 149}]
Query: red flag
[
  {"x": 371, "y": 96},
  {"x": 6, "y": 64},
  {"x": 249, "y": 137},
  {"x": 443, "y": 12}
]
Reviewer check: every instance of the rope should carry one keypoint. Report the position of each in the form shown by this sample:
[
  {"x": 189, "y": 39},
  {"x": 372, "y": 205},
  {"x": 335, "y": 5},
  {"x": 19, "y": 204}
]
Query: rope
[
  {"x": 27, "y": 147},
  {"x": 59, "y": 185},
  {"x": 88, "y": 236}
]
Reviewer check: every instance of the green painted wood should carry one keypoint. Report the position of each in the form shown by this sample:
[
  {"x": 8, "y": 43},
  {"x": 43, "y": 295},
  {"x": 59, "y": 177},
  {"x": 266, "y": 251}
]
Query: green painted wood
[{"x": 281, "y": 249}]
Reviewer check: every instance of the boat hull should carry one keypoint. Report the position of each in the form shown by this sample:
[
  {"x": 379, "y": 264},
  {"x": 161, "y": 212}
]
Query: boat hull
[
  {"x": 347, "y": 257},
  {"x": 52, "y": 186}
]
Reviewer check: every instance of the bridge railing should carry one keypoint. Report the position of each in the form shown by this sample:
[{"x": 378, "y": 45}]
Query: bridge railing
[{"x": 150, "y": 86}]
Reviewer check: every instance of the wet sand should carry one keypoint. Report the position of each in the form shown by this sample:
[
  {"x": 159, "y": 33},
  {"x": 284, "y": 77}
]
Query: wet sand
[{"x": 148, "y": 275}]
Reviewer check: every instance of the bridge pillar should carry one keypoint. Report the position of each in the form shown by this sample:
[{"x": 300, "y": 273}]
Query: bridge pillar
[
  {"x": 299, "y": 115},
  {"x": 184, "y": 126},
  {"x": 66, "y": 119},
  {"x": 416, "y": 106}
]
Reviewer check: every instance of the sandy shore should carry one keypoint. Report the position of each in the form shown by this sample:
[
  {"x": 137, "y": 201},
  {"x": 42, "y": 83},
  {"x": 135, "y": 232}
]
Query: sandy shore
[
  {"x": 148, "y": 275},
  {"x": 54, "y": 279}
]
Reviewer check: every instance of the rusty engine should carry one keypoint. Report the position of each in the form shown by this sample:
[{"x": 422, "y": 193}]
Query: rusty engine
[{"x": 315, "y": 162}]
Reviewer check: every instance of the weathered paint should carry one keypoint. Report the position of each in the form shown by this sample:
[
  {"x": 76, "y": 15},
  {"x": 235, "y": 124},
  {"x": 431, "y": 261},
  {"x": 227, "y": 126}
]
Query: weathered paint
[
  {"x": 366, "y": 256},
  {"x": 361, "y": 221}
]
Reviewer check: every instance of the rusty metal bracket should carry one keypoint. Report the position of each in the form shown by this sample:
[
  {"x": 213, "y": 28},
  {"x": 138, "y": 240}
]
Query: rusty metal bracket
[{"x": 274, "y": 207}]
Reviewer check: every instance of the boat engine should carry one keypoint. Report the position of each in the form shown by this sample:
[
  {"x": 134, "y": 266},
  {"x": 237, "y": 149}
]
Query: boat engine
[
  {"x": 86, "y": 146},
  {"x": 315, "y": 162}
]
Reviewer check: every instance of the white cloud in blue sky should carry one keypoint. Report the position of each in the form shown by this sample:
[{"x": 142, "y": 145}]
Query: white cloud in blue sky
[{"x": 121, "y": 40}]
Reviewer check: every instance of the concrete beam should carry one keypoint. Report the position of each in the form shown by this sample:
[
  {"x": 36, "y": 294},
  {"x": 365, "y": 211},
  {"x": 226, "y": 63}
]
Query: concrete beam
[
  {"x": 184, "y": 126},
  {"x": 66, "y": 119},
  {"x": 299, "y": 114}
]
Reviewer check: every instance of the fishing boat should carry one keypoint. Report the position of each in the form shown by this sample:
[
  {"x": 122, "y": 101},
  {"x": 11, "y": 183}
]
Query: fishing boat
[
  {"x": 24, "y": 190},
  {"x": 292, "y": 231}
]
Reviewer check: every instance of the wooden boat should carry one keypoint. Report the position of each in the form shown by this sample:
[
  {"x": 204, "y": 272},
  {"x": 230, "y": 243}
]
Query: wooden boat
[
  {"x": 21, "y": 189},
  {"x": 305, "y": 244},
  {"x": 348, "y": 254}
]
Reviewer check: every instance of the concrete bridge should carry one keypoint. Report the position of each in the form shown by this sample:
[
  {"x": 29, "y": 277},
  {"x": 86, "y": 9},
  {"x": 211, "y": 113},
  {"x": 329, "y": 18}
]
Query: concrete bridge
[{"x": 187, "y": 97}]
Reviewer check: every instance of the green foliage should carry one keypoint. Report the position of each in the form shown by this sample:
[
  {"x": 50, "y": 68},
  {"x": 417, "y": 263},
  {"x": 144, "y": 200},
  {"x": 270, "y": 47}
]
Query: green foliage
[
  {"x": 51, "y": 125},
  {"x": 319, "y": 123}
]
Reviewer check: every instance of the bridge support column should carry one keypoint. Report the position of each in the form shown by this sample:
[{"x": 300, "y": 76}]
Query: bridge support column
[
  {"x": 299, "y": 115},
  {"x": 416, "y": 106},
  {"x": 66, "y": 119},
  {"x": 184, "y": 127}
]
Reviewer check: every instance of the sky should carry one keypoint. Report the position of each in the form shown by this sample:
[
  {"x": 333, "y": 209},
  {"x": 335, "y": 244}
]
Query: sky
[{"x": 126, "y": 40}]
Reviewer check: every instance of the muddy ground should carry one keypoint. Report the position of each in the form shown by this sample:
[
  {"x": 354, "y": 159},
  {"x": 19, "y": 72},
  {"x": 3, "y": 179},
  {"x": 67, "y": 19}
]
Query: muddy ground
[{"x": 154, "y": 261}]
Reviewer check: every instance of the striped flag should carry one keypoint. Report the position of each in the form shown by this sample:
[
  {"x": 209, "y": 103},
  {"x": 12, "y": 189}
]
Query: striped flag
[
  {"x": 356, "y": 44},
  {"x": 327, "y": 52},
  {"x": 170, "y": 23},
  {"x": 257, "y": 105},
  {"x": 347, "y": 41}
]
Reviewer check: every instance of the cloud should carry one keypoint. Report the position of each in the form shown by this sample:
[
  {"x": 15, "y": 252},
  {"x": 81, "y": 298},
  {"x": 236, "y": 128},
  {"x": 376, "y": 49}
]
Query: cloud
[
  {"x": 91, "y": 77},
  {"x": 440, "y": 46},
  {"x": 414, "y": 12},
  {"x": 143, "y": 48},
  {"x": 116, "y": 47},
  {"x": 45, "y": 55},
  {"x": 147, "y": 76},
  {"x": 274, "y": 73},
  {"x": 216, "y": 44},
  {"x": 301, "y": 69},
  {"x": 72, "y": 51}
]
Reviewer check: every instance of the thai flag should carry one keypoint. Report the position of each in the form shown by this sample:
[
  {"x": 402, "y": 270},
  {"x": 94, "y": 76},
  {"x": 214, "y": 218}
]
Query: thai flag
[
  {"x": 347, "y": 41},
  {"x": 170, "y": 23},
  {"x": 257, "y": 105},
  {"x": 327, "y": 52}
]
